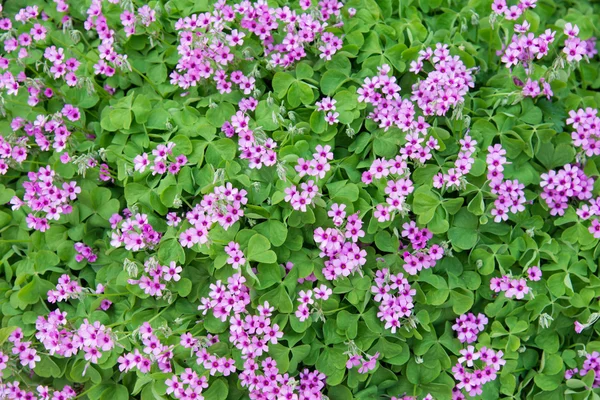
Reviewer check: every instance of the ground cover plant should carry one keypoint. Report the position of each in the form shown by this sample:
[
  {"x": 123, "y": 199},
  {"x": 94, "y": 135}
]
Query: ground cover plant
[{"x": 299, "y": 200}]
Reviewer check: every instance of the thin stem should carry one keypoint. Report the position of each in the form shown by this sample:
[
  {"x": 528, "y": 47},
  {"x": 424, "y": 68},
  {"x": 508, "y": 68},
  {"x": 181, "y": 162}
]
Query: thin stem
[{"x": 86, "y": 392}]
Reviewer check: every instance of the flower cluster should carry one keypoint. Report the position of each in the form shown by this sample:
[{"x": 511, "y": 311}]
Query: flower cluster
[
  {"x": 209, "y": 43},
  {"x": 422, "y": 257},
  {"x": 525, "y": 47},
  {"x": 470, "y": 378},
  {"x": 236, "y": 256},
  {"x": 344, "y": 257},
  {"x": 145, "y": 16},
  {"x": 389, "y": 109},
  {"x": 511, "y": 197},
  {"x": 48, "y": 132},
  {"x": 60, "y": 66},
  {"x": 84, "y": 253},
  {"x": 57, "y": 338},
  {"x": 395, "y": 298},
  {"x": 186, "y": 385},
  {"x": 305, "y": 298},
  {"x": 592, "y": 363},
  {"x": 155, "y": 277},
  {"x": 135, "y": 231},
  {"x": 532, "y": 88},
  {"x": 253, "y": 145},
  {"x": 366, "y": 364},
  {"x": 570, "y": 182},
  {"x": 109, "y": 59},
  {"x": 160, "y": 164},
  {"x": 397, "y": 188},
  {"x": 575, "y": 48},
  {"x": 154, "y": 352},
  {"x": 462, "y": 166},
  {"x": 214, "y": 364},
  {"x": 223, "y": 300},
  {"x": 28, "y": 356},
  {"x": 317, "y": 167},
  {"x": 587, "y": 130},
  {"x": 418, "y": 237},
  {"x": 515, "y": 287},
  {"x": 468, "y": 326},
  {"x": 270, "y": 383},
  {"x": 12, "y": 391},
  {"x": 327, "y": 105},
  {"x": 251, "y": 335},
  {"x": 45, "y": 198},
  {"x": 65, "y": 289},
  {"x": 222, "y": 206},
  {"x": 446, "y": 86},
  {"x": 19, "y": 47},
  {"x": 500, "y": 7}
]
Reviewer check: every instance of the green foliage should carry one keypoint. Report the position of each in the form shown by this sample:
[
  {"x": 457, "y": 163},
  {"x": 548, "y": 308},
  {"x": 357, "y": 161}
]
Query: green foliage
[{"x": 282, "y": 256}]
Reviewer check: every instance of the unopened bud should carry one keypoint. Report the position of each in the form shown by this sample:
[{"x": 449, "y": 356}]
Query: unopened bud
[{"x": 545, "y": 320}]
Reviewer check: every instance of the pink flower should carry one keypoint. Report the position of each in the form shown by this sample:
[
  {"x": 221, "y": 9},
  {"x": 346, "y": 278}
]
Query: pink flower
[
  {"x": 369, "y": 365},
  {"x": 534, "y": 273}
]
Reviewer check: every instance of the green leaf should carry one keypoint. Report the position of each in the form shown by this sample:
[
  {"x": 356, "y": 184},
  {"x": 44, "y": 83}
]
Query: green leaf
[
  {"x": 47, "y": 368},
  {"x": 30, "y": 294},
  {"x": 267, "y": 116},
  {"x": 218, "y": 390},
  {"x": 281, "y": 356},
  {"x": 183, "y": 287},
  {"x": 424, "y": 373},
  {"x": 45, "y": 260},
  {"x": 425, "y": 204},
  {"x": 394, "y": 56},
  {"x": 281, "y": 83},
  {"x": 115, "y": 392},
  {"x": 120, "y": 118},
  {"x": 342, "y": 191},
  {"x": 219, "y": 114},
  {"x": 134, "y": 192},
  {"x": 304, "y": 71},
  {"x": 273, "y": 230},
  {"x": 6, "y": 194},
  {"x": 183, "y": 145},
  {"x": 5, "y": 333},
  {"x": 331, "y": 81},
  {"x": 476, "y": 205},
  {"x": 279, "y": 298},
  {"x": 386, "y": 242},
  {"x": 171, "y": 250},
  {"x": 222, "y": 149},
  {"x": 258, "y": 250},
  {"x": 461, "y": 303},
  {"x": 141, "y": 109},
  {"x": 462, "y": 238}
]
